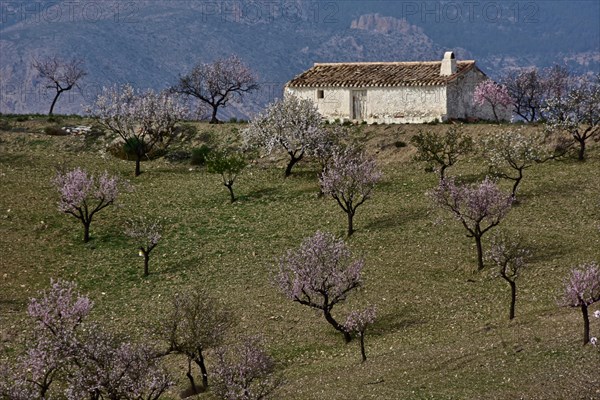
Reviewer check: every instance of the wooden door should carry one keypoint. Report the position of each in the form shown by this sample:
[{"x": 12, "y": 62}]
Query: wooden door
[{"x": 359, "y": 104}]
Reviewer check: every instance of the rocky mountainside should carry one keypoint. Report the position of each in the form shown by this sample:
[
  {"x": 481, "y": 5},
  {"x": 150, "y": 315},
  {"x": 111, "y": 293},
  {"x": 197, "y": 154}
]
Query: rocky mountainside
[{"x": 150, "y": 43}]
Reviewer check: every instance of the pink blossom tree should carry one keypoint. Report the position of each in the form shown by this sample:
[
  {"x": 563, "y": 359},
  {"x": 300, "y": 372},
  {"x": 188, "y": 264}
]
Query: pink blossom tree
[
  {"x": 320, "y": 274},
  {"x": 194, "y": 323},
  {"x": 493, "y": 94},
  {"x": 576, "y": 111},
  {"x": 479, "y": 208},
  {"x": 509, "y": 256},
  {"x": 147, "y": 234},
  {"x": 582, "y": 289},
  {"x": 218, "y": 83},
  {"x": 82, "y": 195},
  {"x": 292, "y": 124},
  {"x": 245, "y": 371},
  {"x": 60, "y": 75},
  {"x": 68, "y": 354},
  {"x": 142, "y": 120},
  {"x": 350, "y": 178},
  {"x": 357, "y": 322},
  {"x": 109, "y": 367}
]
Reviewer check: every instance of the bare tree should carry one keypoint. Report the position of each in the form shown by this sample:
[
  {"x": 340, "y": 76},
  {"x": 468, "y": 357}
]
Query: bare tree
[
  {"x": 217, "y": 83},
  {"x": 194, "y": 323},
  {"x": 509, "y": 256},
  {"x": 445, "y": 151},
  {"x": 60, "y": 75}
]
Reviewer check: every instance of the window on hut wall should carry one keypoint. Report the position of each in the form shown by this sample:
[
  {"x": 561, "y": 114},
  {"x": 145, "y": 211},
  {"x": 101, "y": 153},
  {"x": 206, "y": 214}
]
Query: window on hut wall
[{"x": 320, "y": 94}]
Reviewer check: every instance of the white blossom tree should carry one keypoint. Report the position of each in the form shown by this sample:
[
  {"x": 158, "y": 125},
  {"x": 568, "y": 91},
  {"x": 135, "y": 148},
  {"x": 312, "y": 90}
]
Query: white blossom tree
[
  {"x": 292, "y": 124},
  {"x": 141, "y": 120},
  {"x": 218, "y": 83},
  {"x": 577, "y": 111}
]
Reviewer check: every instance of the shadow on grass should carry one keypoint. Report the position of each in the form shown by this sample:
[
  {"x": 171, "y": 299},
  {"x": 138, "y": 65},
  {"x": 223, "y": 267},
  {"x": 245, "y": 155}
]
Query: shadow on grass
[
  {"x": 393, "y": 322},
  {"x": 398, "y": 219}
]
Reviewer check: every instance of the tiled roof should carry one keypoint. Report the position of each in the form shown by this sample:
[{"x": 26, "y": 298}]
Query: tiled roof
[{"x": 368, "y": 74}]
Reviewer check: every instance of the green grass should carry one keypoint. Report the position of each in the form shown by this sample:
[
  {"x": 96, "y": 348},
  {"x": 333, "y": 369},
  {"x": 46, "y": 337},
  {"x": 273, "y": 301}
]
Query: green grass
[{"x": 442, "y": 330}]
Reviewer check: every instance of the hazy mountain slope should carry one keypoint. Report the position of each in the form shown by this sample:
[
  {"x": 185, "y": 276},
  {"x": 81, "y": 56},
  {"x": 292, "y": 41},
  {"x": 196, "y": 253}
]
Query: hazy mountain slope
[{"x": 149, "y": 43}]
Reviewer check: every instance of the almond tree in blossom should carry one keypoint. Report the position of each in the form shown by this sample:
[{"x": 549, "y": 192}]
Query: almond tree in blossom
[
  {"x": 143, "y": 120},
  {"x": 489, "y": 92},
  {"x": 245, "y": 371},
  {"x": 218, "y": 83},
  {"x": 147, "y": 234},
  {"x": 82, "y": 195},
  {"x": 60, "y": 75},
  {"x": 582, "y": 289},
  {"x": 350, "y": 178},
  {"x": 69, "y": 355},
  {"x": 509, "y": 258},
  {"x": 320, "y": 274},
  {"x": 357, "y": 322},
  {"x": 292, "y": 124},
  {"x": 576, "y": 111},
  {"x": 479, "y": 208}
]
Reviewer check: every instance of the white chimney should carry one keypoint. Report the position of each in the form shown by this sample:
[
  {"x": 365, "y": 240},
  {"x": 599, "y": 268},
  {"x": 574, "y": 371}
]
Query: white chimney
[{"x": 448, "y": 64}]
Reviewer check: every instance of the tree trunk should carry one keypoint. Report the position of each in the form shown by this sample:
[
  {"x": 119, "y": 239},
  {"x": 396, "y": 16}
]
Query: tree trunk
[
  {"x": 138, "y": 159},
  {"x": 230, "y": 188},
  {"x": 495, "y": 115},
  {"x": 586, "y": 324},
  {"x": 191, "y": 377},
  {"x": 58, "y": 92},
  {"x": 362, "y": 347},
  {"x": 337, "y": 326},
  {"x": 146, "y": 261},
  {"x": 350, "y": 223},
  {"x": 213, "y": 117},
  {"x": 513, "y": 298},
  {"x": 200, "y": 361},
  {"x": 581, "y": 153},
  {"x": 443, "y": 172},
  {"x": 516, "y": 184},
  {"x": 86, "y": 231},
  {"x": 479, "y": 252},
  {"x": 293, "y": 161}
]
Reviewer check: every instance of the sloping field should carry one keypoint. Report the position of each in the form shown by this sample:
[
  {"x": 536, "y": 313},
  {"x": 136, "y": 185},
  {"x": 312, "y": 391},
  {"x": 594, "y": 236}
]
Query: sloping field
[{"x": 442, "y": 330}]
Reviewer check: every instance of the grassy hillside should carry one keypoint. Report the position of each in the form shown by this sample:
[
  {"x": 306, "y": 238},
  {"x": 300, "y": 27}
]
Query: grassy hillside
[{"x": 442, "y": 331}]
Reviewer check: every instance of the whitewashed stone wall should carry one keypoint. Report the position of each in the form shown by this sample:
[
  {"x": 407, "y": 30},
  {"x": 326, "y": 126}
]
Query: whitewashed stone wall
[
  {"x": 335, "y": 103},
  {"x": 406, "y": 104},
  {"x": 460, "y": 99}
]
